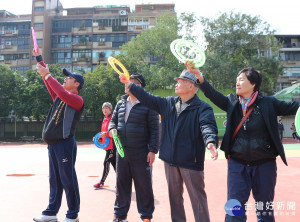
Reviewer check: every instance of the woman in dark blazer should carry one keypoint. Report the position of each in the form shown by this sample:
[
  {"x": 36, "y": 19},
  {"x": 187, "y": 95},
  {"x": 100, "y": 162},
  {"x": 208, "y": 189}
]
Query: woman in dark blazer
[{"x": 251, "y": 151}]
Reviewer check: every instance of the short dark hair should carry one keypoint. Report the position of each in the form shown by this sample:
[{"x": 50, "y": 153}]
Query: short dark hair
[{"x": 253, "y": 75}]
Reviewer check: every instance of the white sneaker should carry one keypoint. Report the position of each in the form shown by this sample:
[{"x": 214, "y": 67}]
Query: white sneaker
[
  {"x": 45, "y": 218},
  {"x": 71, "y": 220}
]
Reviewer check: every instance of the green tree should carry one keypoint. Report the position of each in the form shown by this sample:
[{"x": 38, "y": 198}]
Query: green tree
[
  {"x": 7, "y": 93},
  {"x": 101, "y": 85},
  {"x": 33, "y": 99},
  {"x": 187, "y": 24},
  {"x": 152, "y": 47},
  {"x": 236, "y": 41}
]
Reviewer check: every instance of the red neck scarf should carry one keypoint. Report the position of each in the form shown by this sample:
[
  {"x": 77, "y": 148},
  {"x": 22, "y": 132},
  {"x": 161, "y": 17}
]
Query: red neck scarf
[{"x": 245, "y": 103}]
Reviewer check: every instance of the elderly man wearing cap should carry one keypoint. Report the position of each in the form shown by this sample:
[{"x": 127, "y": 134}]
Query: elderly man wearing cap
[
  {"x": 188, "y": 126},
  {"x": 137, "y": 128},
  {"x": 58, "y": 133}
]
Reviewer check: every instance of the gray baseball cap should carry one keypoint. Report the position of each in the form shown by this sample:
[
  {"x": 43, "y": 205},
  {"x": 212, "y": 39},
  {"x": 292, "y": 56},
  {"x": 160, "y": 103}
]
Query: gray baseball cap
[{"x": 188, "y": 76}]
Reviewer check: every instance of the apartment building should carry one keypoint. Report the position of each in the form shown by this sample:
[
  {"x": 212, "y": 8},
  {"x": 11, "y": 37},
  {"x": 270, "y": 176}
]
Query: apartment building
[
  {"x": 290, "y": 57},
  {"x": 76, "y": 38}
]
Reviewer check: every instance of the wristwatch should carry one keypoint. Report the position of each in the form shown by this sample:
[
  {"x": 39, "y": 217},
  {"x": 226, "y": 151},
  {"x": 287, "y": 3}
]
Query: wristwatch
[{"x": 47, "y": 76}]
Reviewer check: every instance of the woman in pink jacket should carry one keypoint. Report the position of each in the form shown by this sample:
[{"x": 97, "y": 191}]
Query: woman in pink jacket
[{"x": 110, "y": 157}]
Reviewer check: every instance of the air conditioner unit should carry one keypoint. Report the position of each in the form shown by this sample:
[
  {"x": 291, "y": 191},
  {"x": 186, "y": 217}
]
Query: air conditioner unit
[
  {"x": 122, "y": 12},
  {"x": 8, "y": 43},
  {"x": 1, "y": 57},
  {"x": 95, "y": 24},
  {"x": 74, "y": 59}
]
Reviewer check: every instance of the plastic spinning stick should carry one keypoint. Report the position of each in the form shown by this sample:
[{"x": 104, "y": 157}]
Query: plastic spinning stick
[
  {"x": 101, "y": 145},
  {"x": 297, "y": 121},
  {"x": 36, "y": 47},
  {"x": 118, "y": 144},
  {"x": 113, "y": 62},
  {"x": 185, "y": 50}
]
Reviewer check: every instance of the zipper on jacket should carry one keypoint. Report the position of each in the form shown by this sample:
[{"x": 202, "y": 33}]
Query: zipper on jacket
[{"x": 248, "y": 152}]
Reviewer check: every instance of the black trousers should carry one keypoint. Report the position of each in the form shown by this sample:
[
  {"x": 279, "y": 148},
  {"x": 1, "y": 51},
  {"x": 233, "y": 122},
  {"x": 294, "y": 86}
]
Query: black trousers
[
  {"x": 134, "y": 167},
  {"x": 110, "y": 158}
]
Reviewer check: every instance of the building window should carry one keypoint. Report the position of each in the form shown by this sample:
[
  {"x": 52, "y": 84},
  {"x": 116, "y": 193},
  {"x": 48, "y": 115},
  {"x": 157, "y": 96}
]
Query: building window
[
  {"x": 61, "y": 57},
  {"x": 132, "y": 36},
  {"x": 81, "y": 38},
  {"x": 62, "y": 41},
  {"x": 81, "y": 68},
  {"x": 117, "y": 44},
  {"x": 82, "y": 23},
  {"x": 81, "y": 54},
  {"x": 62, "y": 26},
  {"x": 110, "y": 38},
  {"x": 20, "y": 69},
  {"x": 104, "y": 54},
  {"x": 39, "y": 9},
  {"x": 292, "y": 56},
  {"x": 38, "y": 25}
]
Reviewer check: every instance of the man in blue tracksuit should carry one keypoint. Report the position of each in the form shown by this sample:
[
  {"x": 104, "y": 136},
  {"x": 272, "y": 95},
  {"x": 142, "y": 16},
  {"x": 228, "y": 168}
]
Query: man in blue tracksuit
[
  {"x": 58, "y": 133},
  {"x": 188, "y": 126}
]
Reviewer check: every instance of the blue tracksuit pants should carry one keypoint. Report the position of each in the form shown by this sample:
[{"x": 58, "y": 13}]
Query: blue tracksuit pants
[
  {"x": 261, "y": 179},
  {"x": 62, "y": 176}
]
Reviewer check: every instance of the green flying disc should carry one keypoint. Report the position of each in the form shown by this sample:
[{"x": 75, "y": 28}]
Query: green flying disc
[
  {"x": 185, "y": 50},
  {"x": 118, "y": 144}
]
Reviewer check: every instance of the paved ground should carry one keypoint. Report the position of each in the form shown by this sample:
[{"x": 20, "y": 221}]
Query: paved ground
[{"x": 21, "y": 198}]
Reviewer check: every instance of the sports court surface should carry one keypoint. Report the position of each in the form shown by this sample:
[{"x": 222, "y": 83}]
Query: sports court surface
[{"x": 24, "y": 196}]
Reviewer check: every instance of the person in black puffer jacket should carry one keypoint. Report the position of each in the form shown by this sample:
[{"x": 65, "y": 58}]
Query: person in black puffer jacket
[
  {"x": 252, "y": 152},
  {"x": 138, "y": 129}
]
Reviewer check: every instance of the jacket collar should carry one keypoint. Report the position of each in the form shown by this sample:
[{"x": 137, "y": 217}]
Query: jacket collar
[{"x": 193, "y": 103}]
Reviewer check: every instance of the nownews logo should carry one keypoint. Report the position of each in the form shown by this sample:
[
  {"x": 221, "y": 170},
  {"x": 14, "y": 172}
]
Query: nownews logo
[{"x": 233, "y": 208}]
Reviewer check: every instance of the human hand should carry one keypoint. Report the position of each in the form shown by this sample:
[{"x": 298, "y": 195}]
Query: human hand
[
  {"x": 213, "y": 150},
  {"x": 190, "y": 67},
  {"x": 151, "y": 158},
  {"x": 124, "y": 80},
  {"x": 102, "y": 136},
  {"x": 111, "y": 132},
  {"x": 43, "y": 71},
  {"x": 36, "y": 53}
]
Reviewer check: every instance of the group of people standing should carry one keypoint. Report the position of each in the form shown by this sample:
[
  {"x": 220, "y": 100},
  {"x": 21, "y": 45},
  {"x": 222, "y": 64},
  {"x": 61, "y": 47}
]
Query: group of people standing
[
  {"x": 295, "y": 135},
  {"x": 251, "y": 143}
]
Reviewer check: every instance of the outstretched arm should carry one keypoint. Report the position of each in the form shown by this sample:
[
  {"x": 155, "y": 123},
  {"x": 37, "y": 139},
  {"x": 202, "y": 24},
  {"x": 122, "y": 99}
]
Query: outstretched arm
[
  {"x": 156, "y": 103},
  {"x": 209, "y": 91},
  {"x": 39, "y": 59}
]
